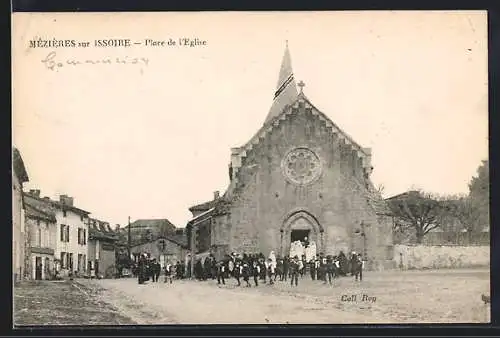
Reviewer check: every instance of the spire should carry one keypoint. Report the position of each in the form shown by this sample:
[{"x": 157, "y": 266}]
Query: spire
[{"x": 286, "y": 89}]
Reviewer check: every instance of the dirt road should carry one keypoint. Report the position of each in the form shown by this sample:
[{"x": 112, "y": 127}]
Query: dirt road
[{"x": 445, "y": 296}]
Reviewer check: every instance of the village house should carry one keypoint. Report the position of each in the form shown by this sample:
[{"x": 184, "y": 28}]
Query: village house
[
  {"x": 70, "y": 249},
  {"x": 42, "y": 232},
  {"x": 20, "y": 245},
  {"x": 165, "y": 249},
  {"x": 148, "y": 229},
  {"x": 101, "y": 249},
  {"x": 300, "y": 177}
]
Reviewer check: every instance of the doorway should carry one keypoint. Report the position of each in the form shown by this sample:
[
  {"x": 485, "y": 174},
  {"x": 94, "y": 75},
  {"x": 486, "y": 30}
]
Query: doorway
[
  {"x": 299, "y": 235},
  {"x": 296, "y": 227},
  {"x": 38, "y": 268}
]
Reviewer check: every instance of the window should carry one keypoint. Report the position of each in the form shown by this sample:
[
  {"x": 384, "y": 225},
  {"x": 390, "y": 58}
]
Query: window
[
  {"x": 64, "y": 233},
  {"x": 84, "y": 260},
  {"x": 70, "y": 262},
  {"x": 39, "y": 237},
  {"x": 82, "y": 236},
  {"x": 64, "y": 213}
]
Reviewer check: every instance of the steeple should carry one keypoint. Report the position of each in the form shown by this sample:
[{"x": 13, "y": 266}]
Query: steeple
[{"x": 286, "y": 89}]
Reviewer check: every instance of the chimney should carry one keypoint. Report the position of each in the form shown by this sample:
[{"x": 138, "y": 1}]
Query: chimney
[
  {"x": 216, "y": 194},
  {"x": 35, "y": 192},
  {"x": 117, "y": 227},
  {"x": 67, "y": 200}
]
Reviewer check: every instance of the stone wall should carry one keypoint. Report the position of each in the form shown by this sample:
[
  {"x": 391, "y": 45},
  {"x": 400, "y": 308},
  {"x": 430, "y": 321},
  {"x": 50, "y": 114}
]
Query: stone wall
[
  {"x": 436, "y": 257},
  {"x": 264, "y": 198}
]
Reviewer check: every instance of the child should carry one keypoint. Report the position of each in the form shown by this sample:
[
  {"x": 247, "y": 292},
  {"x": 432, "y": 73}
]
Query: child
[{"x": 256, "y": 272}]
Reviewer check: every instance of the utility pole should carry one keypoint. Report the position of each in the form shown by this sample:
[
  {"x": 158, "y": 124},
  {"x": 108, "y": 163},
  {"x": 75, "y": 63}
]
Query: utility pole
[{"x": 129, "y": 240}]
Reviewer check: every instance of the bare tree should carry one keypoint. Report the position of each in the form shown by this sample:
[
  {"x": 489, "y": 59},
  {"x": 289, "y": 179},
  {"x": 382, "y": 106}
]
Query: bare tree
[{"x": 417, "y": 210}]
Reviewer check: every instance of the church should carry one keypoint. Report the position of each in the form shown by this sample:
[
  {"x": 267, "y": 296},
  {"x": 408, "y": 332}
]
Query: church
[{"x": 299, "y": 178}]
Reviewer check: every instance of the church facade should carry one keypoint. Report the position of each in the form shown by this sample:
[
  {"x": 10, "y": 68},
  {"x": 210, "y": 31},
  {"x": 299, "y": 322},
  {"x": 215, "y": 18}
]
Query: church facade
[{"x": 300, "y": 177}]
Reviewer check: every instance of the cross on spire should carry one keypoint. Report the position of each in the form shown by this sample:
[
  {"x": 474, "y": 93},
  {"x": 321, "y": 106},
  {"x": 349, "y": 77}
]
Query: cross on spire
[{"x": 301, "y": 84}]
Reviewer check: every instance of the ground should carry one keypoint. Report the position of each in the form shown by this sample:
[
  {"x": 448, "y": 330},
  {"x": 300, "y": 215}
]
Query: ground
[
  {"x": 441, "y": 296},
  {"x": 62, "y": 303}
]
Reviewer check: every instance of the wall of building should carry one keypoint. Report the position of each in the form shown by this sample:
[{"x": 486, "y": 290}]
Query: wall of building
[
  {"x": 46, "y": 238},
  {"x": 74, "y": 221},
  {"x": 102, "y": 251},
  {"x": 18, "y": 231},
  {"x": 436, "y": 257},
  {"x": 172, "y": 252},
  {"x": 47, "y": 265},
  {"x": 336, "y": 200}
]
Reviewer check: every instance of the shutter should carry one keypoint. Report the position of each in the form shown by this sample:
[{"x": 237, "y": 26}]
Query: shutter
[
  {"x": 84, "y": 236},
  {"x": 62, "y": 233},
  {"x": 67, "y": 233}
]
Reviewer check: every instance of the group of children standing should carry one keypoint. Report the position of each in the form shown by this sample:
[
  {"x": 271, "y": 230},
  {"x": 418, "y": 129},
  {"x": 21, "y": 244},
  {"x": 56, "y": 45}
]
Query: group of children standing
[{"x": 257, "y": 267}]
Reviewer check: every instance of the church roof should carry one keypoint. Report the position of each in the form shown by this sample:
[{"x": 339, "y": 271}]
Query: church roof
[{"x": 286, "y": 88}]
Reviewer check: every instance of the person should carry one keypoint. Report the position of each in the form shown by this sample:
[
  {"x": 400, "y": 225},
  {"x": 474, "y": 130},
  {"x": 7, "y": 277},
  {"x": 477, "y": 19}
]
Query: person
[
  {"x": 256, "y": 272},
  {"x": 312, "y": 268},
  {"x": 302, "y": 266},
  {"x": 168, "y": 272},
  {"x": 263, "y": 269},
  {"x": 141, "y": 269},
  {"x": 279, "y": 269},
  {"x": 330, "y": 268},
  {"x": 237, "y": 270},
  {"x": 294, "y": 271},
  {"x": 286, "y": 268},
  {"x": 357, "y": 266},
  {"x": 271, "y": 271},
  {"x": 220, "y": 272},
  {"x": 323, "y": 269},
  {"x": 156, "y": 270},
  {"x": 344, "y": 264},
  {"x": 245, "y": 271}
]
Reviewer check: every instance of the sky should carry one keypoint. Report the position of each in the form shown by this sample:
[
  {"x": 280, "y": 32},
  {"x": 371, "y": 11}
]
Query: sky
[{"x": 149, "y": 141}]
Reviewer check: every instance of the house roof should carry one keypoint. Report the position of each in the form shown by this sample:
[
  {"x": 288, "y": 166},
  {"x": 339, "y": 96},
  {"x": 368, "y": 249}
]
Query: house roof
[
  {"x": 18, "y": 166},
  {"x": 205, "y": 205},
  {"x": 152, "y": 223},
  {"x": 101, "y": 229},
  {"x": 53, "y": 205},
  {"x": 174, "y": 239},
  {"x": 406, "y": 194},
  {"x": 33, "y": 212}
]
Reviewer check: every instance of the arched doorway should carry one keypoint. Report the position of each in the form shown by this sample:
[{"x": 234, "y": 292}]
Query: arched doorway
[{"x": 296, "y": 226}]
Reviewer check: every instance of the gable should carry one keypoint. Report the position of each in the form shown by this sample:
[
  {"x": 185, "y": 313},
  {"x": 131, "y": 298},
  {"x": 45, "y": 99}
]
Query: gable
[{"x": 301, "y": 105}]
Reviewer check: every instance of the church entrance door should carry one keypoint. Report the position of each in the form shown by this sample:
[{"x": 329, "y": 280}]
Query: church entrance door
[
  {"x": 299, "y": 235},
  {"x": 300, "y": 226}
]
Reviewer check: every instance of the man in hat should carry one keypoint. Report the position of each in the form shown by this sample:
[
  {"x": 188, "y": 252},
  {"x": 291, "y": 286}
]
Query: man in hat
[{"x": 294, "y": 270}]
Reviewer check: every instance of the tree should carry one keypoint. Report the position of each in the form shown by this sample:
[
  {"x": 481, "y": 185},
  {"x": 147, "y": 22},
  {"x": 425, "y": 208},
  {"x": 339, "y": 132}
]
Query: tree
[
  {"x": 479, "y": 194},
  {"x": 463, "y": 211},
  {"x": 417, "y": 210}
]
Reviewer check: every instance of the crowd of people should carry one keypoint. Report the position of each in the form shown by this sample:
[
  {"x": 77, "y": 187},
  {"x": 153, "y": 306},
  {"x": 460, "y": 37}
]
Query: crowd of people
[{"x": 256, "y": 268}]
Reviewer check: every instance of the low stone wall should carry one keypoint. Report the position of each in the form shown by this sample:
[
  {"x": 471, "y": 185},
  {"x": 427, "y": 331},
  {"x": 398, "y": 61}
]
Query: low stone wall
[{"x": 439, "y": 257}]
